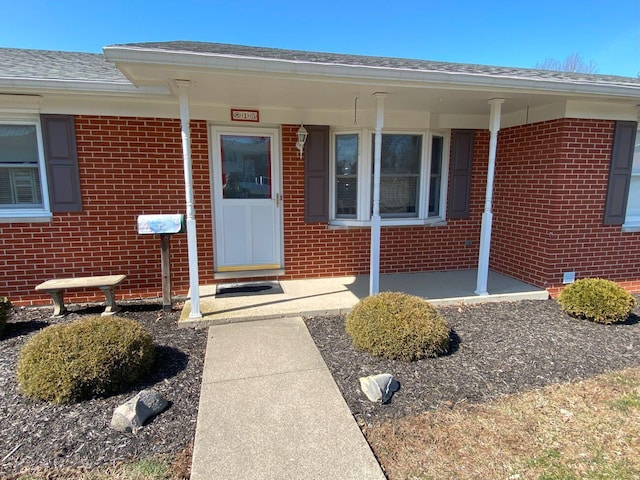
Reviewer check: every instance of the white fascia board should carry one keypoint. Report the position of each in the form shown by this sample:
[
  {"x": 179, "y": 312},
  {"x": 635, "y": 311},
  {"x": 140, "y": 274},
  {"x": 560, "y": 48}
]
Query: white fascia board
[
  {"x": 363, "y": 72},
  {"x": 79, "y": 86}
]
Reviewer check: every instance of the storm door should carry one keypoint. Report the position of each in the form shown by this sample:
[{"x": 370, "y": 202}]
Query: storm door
[{"x": 247, "y": 199}]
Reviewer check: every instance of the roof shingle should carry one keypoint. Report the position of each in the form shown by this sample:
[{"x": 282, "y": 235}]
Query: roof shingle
[{"x": 54, "y": 65}]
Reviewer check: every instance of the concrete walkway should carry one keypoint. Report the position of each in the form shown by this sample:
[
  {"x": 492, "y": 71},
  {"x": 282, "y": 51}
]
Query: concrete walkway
[{"x": 269, "y": 409}]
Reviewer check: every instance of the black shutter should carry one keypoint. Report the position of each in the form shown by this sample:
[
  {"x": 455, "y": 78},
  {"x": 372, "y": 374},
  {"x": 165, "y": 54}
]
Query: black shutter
[
  {"x": 624, "y": 137},
  {"x": 316, "y": 174},
  {"x": 61, "y": 158},
  {"x": 460, "y": 184}
]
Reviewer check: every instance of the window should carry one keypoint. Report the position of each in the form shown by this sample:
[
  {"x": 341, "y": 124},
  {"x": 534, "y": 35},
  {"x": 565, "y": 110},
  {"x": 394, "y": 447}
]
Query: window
[
  {"x": 346, "y": 186},
  {"x": 412, "y": 178},
  {"x": 21, "y": 168},
  {"x": 246, "y": 166},
  {"x": 400, "y": 163},
  {"x": 633, "y": 202},
  {"x": 435, "y": 180},
  {"x": 39, "y": 171}
]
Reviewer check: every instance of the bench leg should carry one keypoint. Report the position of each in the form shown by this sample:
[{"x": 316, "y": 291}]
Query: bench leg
[
  {"x": 58, "y": 302},
  {"x": 110, "y": 296}
]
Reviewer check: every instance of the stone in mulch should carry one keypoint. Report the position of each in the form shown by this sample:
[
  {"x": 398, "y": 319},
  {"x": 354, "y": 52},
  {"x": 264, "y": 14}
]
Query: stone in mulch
[{"x": 132, "y": 414}]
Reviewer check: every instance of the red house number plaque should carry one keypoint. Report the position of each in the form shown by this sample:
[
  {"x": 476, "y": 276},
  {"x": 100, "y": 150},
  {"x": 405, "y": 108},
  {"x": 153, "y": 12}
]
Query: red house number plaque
[{"x": 245, "y": 115}]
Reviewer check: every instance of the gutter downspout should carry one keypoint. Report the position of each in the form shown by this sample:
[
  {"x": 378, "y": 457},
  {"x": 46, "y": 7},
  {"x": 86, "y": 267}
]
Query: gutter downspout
[
  {"x": 192, "y": 243},
  {"x": 374, "y": 263},
  {"x": 487, "y": 216}
]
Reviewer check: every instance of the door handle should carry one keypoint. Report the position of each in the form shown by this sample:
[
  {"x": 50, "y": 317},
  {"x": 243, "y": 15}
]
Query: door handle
[{"x": 278, "y": 199}]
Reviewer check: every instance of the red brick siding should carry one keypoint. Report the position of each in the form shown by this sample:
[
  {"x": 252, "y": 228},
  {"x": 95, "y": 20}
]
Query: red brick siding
[
  {"x": 548, "y": 202},
  {"x": 128, "y": 166},
  {"x": 132, "y": 166},
  {"x": 550, "y": 191}
]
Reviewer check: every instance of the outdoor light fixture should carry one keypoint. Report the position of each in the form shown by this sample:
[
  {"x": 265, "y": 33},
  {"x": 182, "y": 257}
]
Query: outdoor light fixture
[{"x": 302, "y": 138}]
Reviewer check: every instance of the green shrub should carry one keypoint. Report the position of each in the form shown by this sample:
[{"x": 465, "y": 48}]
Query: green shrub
[
  {"x": 397, "y": 326},
  {"x": 597, "y": 299},
  {"x": 95, "y": 356},
  {"x": 5, "y": 310}
]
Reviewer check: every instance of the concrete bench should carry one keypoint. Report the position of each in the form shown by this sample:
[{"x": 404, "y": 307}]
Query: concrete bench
[{"x": 106, "y": 283}]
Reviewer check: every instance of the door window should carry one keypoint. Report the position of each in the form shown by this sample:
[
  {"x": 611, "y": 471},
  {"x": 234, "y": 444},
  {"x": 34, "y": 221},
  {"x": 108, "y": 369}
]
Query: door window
[{"x": 246, "y": 166}]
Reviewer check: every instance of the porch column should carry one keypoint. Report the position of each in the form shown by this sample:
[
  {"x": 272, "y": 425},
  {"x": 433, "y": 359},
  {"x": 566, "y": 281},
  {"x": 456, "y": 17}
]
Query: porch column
[
  {"x": 487, "y": 216},
  {"x": 192, "y": 243},
  {"x": 374, "y": 263}
]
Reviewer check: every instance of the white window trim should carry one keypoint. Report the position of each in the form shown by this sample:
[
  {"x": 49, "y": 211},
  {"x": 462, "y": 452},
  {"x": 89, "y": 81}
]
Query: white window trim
[
  {"x": 41, "y": 214},
  {"x": 364, "y": 171},
  {"x": 444, "y": 173}
]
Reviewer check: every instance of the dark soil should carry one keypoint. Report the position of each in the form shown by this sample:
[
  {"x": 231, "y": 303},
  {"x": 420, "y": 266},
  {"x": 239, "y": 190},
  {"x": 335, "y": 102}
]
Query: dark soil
[
  {"x": 43, "y": 435},
  {"x": 496, "y": 349}
]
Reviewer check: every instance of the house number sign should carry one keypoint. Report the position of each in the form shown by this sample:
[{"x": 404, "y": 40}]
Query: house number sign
[{"x": 245, "y": 115}]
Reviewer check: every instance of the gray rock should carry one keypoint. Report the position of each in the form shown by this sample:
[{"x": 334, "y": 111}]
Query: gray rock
[
  {"x": 131, "y": 415},
  {"x": 379, "y": 388}
]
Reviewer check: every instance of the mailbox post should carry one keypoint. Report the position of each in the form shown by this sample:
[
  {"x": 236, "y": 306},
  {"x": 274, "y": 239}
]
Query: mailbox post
[{"x": 164, "y": 225}]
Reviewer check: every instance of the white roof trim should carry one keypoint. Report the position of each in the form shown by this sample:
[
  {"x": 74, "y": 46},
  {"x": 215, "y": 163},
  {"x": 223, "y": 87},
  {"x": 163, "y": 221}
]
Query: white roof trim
[
  {"x": 197, "y": 60},
  {"x": 81, "y": 86}
]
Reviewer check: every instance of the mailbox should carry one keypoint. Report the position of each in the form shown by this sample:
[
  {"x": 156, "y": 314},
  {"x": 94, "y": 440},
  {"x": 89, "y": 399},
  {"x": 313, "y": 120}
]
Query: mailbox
[
  {"x": 165, "y": 226},
  {"x": 161, "y": 224}
]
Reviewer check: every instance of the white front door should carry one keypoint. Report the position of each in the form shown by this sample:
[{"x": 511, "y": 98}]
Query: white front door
[{"x": 247, "y": 199}]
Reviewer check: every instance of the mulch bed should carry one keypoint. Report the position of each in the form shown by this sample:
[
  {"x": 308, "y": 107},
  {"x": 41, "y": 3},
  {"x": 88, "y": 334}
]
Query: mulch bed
[
  {"x": 496, "y": 349},
  {"x": 44, "y": 435}
]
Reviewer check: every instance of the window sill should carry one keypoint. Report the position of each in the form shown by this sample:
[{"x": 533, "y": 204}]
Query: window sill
[
  {"x": 631, "y": 227},
  {"x": 395, "y": 222},
  {"x": 25, "y": 217}
]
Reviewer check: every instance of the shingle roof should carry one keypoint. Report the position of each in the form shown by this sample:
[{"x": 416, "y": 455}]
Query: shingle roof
[
  {"x": 54, "y": 65},
  {"x": 379, "y": 62},
  {"x": 93, "y": 67}
]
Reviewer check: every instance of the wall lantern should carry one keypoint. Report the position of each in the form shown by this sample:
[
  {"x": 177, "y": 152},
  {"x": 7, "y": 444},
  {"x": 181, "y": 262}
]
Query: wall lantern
[{"x": 302, "y": 138}]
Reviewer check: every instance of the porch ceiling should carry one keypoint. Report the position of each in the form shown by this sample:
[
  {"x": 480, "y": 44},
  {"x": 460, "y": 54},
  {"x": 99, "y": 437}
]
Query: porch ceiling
[{"x": 306, "y": 92}]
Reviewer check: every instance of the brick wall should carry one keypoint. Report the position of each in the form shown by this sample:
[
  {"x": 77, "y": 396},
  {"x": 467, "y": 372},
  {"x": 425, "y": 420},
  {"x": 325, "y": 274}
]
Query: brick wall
[
  {"x": 550, "y": 191},
  {"x": 133, "y": 166},
  {"x": 128, "y": 166}
]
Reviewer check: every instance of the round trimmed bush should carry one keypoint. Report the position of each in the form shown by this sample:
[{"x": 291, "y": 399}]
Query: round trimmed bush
[
  {"x": 597, "y": 299},
  {"x": 5, "y": 309},
  {"x": 397, "y": 326},
  {"x": 91, "y": 357}
]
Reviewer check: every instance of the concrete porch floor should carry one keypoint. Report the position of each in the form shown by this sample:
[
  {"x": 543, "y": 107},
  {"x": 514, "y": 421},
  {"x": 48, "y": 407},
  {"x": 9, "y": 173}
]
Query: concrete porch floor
[{"x": 338, "y": 295}]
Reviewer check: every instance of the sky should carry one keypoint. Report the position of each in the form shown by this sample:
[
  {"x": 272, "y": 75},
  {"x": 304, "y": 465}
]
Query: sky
[{"x": 514, "y": 33}]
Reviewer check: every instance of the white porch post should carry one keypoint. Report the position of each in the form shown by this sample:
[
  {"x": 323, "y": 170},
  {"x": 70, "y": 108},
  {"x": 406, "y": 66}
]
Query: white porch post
[
  {"x": 487, "y": 216},
  {"x": 192, "y": 243},
  {"x": 374, "y": 264}
]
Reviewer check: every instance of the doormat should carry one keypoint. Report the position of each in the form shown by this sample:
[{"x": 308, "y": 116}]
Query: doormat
[{"x": 247, "y": 289}]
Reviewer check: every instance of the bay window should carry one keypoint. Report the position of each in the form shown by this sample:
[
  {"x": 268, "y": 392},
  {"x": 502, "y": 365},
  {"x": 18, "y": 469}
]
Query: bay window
[{"x": 412, "y": 177}]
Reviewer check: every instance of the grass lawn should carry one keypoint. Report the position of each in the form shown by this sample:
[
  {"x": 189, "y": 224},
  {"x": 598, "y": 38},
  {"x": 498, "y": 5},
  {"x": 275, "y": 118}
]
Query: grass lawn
[{"x": 584, "y": 430}]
